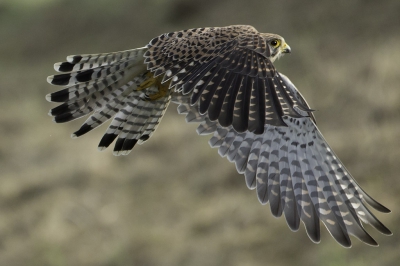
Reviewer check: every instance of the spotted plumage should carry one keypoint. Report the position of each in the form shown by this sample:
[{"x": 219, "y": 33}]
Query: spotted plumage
[{"x": 224, "y": 79}]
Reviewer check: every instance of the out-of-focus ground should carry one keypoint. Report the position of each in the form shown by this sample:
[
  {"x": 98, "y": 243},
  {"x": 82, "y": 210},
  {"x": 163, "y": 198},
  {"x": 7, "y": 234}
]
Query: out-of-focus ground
[{"x": 174, "y": 201}]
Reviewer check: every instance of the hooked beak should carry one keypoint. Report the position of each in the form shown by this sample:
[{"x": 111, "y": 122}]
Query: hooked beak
[{"x": 286, "y": 49}]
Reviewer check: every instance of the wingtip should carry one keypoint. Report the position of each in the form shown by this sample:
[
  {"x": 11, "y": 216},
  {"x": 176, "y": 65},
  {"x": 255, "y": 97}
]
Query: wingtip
[
  {"x": 313, "y": 235},
  {"x": 384, "y": 230},
  {"x": 383, "y": 209},
  {"x": 367, "y": 239},
  {"x": 304, "y": 108},
  {"x": 375, "y": 204},
  {"x": 314, "y": 240},
  {"x": 373, "y": 244},
  {"x": 346, "y": 245}
]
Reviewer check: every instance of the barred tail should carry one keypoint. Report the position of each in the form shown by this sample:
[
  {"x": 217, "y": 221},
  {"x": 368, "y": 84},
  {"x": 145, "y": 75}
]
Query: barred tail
[{"x": 108, "y": 85}]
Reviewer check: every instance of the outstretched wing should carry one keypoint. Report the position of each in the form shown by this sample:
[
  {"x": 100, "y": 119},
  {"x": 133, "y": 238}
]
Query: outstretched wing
[
  {"x": 293, "y": 168},
  {"x": 228, "y": 72}
]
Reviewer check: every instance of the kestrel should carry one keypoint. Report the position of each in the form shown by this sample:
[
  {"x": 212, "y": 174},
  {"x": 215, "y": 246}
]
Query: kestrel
[{"x": 224, "y": 79}]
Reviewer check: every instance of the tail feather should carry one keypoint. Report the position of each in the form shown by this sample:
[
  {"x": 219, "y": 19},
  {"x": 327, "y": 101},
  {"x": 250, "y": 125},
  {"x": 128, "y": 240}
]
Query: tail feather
[
  {"x": 128, "y": 136},
  {"x": 99, "y": 117},
  {"x": 96, "y": 100},
  {"x": 84, "y": 90},
  {"x": 154, "y": 119},
  {"x": 107, "y": 85},
  {"x": 69, "y": 93},
  {"x": 141, "y": 123},
  {"x": 118, "y": 123},
  {"x": 82, "y": 99},
  {"x": 65, "y": 112},
  {"x": 97, "y": 73},
  {"x": 88, "y": 61}
]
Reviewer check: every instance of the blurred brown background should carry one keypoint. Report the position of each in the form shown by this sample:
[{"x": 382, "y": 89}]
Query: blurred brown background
[{"x": 174, "y": 201}]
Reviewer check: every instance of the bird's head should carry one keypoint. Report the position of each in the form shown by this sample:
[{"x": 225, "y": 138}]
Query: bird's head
[{"x": 277, "y": 46}]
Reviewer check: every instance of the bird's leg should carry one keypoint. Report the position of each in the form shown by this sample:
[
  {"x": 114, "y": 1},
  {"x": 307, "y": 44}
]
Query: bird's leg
[
  {"x": 154, "y": 81},
  {"x": 150, "y": 81},
  {"x": 162, "y": 90}
]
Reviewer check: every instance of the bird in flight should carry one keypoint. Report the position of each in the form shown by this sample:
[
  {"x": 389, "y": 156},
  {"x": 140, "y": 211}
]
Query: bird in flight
[{"x": 224, "y": 79}]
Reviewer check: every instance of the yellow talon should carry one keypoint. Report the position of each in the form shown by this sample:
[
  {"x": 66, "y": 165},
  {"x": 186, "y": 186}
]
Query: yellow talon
[
  {"x": 152, "y": 81},
  {"x": 162, "y": 90},
  {"x": 148, "y": 82}
]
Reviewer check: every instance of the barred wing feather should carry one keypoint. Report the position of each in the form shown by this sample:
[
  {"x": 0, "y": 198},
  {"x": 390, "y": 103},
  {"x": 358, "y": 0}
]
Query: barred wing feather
[{"x": 294, "y": 170}]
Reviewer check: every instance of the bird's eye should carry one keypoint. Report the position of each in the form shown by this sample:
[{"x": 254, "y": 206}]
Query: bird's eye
[{"x": 275, "y": 43}]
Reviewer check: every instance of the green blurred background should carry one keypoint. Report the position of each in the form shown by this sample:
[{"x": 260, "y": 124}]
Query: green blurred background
[{"x": 174, "y": 201}]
